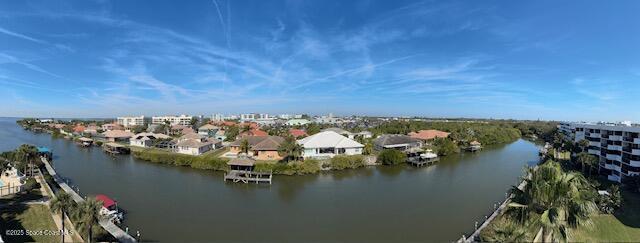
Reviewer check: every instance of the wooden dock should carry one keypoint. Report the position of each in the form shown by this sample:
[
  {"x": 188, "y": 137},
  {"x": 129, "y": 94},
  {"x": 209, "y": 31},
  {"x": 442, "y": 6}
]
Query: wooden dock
[
  {"x": 244, "y": 176},
  {"x": 417, "y": 162}
]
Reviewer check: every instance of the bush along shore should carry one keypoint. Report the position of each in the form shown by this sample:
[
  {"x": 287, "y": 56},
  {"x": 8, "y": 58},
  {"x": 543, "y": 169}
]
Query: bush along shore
[{"x": 215, "y": 163}]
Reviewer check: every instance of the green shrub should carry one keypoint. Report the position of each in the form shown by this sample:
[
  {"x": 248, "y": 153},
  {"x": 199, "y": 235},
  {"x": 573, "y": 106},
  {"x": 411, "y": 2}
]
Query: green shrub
[
  {"x": 391, "y": 157},
  {"x": 341, "y": 162},
  {"x": 30, "y": 184},
  {"x": 168, "y": 158},
  {"x": 292, "y": 168},
  {"x": 445, "y": 146}
]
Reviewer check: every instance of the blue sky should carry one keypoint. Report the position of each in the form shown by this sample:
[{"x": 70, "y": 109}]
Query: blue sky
[{"x": 578, "y": 60}]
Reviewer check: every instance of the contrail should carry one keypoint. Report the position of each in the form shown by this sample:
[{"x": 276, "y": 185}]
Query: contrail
[{"x": 225, "y": 29}]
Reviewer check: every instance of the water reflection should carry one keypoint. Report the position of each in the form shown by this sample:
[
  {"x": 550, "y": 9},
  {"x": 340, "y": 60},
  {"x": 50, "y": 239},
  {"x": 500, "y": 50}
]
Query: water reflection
[{"x": 179, "y": 204}]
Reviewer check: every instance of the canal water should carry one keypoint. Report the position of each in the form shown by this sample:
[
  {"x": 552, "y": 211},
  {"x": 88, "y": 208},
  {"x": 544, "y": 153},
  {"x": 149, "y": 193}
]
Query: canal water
[{"x": 382, "y": 204}]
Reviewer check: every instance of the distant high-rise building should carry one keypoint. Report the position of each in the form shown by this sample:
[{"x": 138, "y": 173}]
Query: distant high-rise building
[
  {"x": 173, "y": 120},
  {"x": 130, "y": 121}
]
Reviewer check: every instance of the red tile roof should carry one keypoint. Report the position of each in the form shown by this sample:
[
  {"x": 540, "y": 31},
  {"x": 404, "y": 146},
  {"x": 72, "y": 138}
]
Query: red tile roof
[
  {"x": 297, "y": 133},
  {"x": 428, "y": 134},
  {"x": 79, "y": 128}
]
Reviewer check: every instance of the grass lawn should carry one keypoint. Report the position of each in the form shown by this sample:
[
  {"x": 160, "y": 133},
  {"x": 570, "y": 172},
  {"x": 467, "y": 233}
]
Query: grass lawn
[
  {"x": 217, "y": 152},
  {"x": 622, "y": 226},
  {"x": 27, "y": 217}
]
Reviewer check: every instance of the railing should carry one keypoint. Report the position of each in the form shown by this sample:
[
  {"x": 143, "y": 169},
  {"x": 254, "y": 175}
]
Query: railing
[
  {"x": 497, "y": 210},
  {"x": 7, "y": 190},
  {"x": 109, "y": 226}
]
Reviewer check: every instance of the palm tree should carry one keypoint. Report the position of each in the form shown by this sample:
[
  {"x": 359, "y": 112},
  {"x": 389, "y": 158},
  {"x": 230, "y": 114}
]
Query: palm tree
[
  {"x": 244, "y": 146},
  {"x": 553, "y": 200},
  {"x": 505, "y": 231},
  {"x": 167, "y": 127},
  {"x": 583, "y": 145},
  {"x": 27, "y": 153},
  {"x": 587, "y": 160},
  {"x": 290, "y": 149},
  {"x": 62, "y": 204},
  {"x": 245, "y": 129},
  {"x": 88, "y": 215}
]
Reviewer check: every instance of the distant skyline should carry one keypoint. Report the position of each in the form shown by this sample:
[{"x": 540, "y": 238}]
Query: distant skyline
[{"x": 575, "y": 61}]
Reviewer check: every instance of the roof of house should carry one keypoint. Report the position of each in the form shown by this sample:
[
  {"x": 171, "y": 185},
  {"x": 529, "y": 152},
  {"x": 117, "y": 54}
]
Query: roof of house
[
  {"x": 191, "y": 136},
  {"x": 242, "y": 161},
  {"x": 260, "y": 143},
  {"x": 337, "y": 130},
  {"x": 208, "y": 127},
  {"x": 193, "y": 143},
  {"x": 85, "y": 139},
  {"x": 117, "y": 134},
  {"x": 428, "y": 134},
  {"x": 79, "y": 128},
  {"x": 329, "y": 139},
  {"x": 106, "y": 201},
  {"x": 394, "y": 139},
  {"x": 255, "y": 132},
  {"x": 297, "y": 132},
  {"x": 150, "y": 135}
]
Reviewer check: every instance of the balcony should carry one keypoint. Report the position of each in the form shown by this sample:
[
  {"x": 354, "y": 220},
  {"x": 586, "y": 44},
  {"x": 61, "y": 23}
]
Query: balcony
[
  {"x": 636, "y": 140},
  {"x": 613, "y": 178},
  {"x": 634, "y": 163},
  {"x": 614, "y": 157},
  {"x": 614, "y": 147},
  {"x": 611, "y": 167},
  {"x": 615, "y": 137},
  {"x": 594, "y": 151},
  {"x": 594, "y": 135},
  {"x": 635, "y": 151},
  {"x": 595, "y": 144}
]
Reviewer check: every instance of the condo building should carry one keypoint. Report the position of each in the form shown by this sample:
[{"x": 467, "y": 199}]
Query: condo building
[
  {"x": 616, "y": 145},
  {"x": 173, "y": 120},
  {"x": 130, "y": 121}
]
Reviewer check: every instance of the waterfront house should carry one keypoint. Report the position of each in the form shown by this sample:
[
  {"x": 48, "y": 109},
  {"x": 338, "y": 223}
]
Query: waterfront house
[
  {"x": 428, "y": 135},
  {"x": 117, "y": 136},
  {"x": 297, "y": 133},
  {"x": 181, "y": 130},
  {"x": 78, "y": 129},
  {"x": 92, "y": 130},
  {"x": 260, "y": 147},
  {"x": 196, "y": 144},
  {"x": 208, "y": 130},
  {"x": 146, "y": 139},
  {"x": 396, "y": 141},
  {"x": 328, "y": 144}
]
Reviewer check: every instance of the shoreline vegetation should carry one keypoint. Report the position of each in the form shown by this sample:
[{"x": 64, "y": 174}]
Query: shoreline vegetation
[
  {"x": 593, "y": 208},
  {"x": 462, "y": 132}
]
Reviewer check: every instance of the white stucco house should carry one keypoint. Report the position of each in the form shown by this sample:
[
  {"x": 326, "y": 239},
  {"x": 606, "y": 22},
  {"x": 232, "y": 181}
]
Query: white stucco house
[
  {"x": 328, "y": 144},
  {"x": 145, "y": 139},
  {"x": 196, "y": 144}
]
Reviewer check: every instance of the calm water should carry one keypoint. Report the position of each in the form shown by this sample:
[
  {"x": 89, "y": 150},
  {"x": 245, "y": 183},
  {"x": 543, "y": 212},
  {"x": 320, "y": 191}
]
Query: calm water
[{"x": 383, "y": 204}]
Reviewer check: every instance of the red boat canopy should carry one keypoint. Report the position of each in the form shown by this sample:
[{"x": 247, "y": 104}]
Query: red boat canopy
[{"x": 106, "y": 201}]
